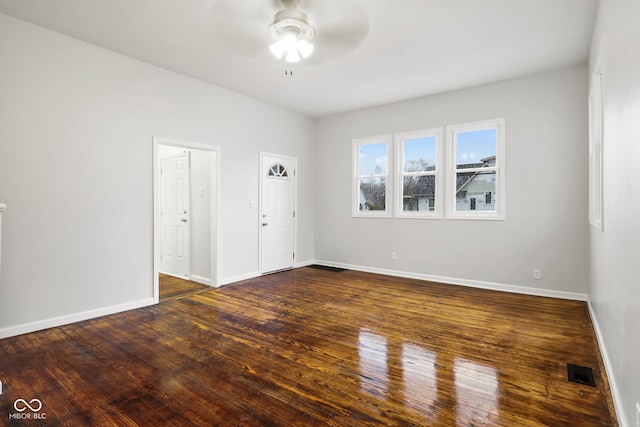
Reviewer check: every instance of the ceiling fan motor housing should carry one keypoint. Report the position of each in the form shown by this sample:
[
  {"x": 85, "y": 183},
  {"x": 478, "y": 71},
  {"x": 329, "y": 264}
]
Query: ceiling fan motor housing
[{"x": 289, "y": 21}]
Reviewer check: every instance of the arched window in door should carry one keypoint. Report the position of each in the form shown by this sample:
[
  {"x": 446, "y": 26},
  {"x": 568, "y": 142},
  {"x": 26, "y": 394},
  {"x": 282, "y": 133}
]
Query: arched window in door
[{"x": 278, "y": 171}]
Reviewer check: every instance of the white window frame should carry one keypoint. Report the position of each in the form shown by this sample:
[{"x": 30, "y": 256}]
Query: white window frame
[
  {"x": 355, "y": 188},
  {"x": 399, "y": 142},
  {"x": 499, "y": 197},
  {"x": 596, "y": 139}
]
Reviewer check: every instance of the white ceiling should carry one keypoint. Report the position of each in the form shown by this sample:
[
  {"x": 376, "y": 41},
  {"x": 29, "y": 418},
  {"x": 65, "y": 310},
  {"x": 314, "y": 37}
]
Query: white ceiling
[{"x": 413, "y": 47}]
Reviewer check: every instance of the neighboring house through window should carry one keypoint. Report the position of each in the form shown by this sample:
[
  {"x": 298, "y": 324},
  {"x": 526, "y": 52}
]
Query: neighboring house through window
[
  {"x": 475, "y": 185},
  {"x": 371, "y": 195},
  {"x": 419, "y": 181},
  {"x": 473, "y": 182}
]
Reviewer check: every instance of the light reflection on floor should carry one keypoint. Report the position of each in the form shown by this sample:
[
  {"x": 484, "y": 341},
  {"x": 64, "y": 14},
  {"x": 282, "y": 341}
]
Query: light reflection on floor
[
  {"x": 372, "y": 349},
  {"x": 423, "y": 379},
  {"x": 476, "y": 390},
  {"x": 419, "y": 377}
]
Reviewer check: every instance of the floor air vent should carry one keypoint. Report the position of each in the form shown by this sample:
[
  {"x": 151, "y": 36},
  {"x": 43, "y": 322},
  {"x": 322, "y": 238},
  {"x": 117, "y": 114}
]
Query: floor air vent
[
  {"x": 581, "y": 374},
  {"x": 327, "y": 268}
]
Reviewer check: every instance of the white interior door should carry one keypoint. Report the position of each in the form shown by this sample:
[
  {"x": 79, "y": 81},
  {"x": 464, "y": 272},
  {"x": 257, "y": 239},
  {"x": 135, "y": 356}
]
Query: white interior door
[
  {"x": 174, "y": 215},
  {"x": 277, "y": 213}
]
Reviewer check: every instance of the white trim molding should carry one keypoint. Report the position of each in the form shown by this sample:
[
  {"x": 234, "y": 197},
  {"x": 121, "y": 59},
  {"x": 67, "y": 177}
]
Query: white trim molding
[
  {"x": 234, "y": 279},
  {"x": 596, "y": 142},
  {"x": 73, "y": 318},
  {"x": 608, "y": 367},
  {"x": 525, "y": 290},
  {"x": 201, "y": 280},
  {"x": 303, "y": 264}
]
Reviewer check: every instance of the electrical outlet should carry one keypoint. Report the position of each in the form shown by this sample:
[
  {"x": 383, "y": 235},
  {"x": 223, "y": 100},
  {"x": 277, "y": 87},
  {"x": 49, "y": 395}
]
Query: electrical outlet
[
  {"x": 394, "y": 256},
  {"x": 537, "y": 274}
]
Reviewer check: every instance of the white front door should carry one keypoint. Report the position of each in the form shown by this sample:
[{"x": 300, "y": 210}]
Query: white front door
[
  {"x": 174, "y": 214},
  {"x": 277, "y": 213}
]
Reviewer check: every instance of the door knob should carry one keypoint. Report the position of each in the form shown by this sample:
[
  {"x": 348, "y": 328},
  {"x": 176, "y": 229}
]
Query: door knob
[
  {"x": 183, "y": 220},
  {"x": 264, "y": 224}
]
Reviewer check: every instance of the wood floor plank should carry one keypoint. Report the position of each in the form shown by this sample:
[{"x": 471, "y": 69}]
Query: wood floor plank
[
  {"x": 172, "y": 287},
  {"x": 313, "y": 347}
]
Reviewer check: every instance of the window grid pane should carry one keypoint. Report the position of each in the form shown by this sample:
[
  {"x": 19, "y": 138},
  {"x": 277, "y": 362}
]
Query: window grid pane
[
  {"x": 372, "y": 159},
  {"x": 371, "y": 177},
  {"x": 419, "y": 154},
  {"x": 476, "y": 148},
  {"x": 418, "y": 193},
  {"x": 372, "y": 194},
  {"x": 475, "y": 184},
  {"x": 474, "y": 190},
  {"x": 417, "y": 164}
]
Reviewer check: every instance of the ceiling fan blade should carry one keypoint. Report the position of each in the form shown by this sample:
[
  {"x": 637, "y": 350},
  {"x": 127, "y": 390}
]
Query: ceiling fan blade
[
  {"x": 328, "y": 13},
  {"x": 340, "y": 26},
  {"x": 338, "y": 40},
  {"x": 243, "y": 25}
]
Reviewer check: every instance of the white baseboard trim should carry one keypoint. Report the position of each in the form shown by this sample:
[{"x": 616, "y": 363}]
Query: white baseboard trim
[
  {"x": 173, "y": 275},
  {"x": 201, "y": 280},
  {"x": 239, "y": 278},
  {"x": 39, "y": 325},
  {"x": 303, "y": 264},
  {"x": 617, "y": 403},
  {"x": 462, "y": 282},
  {"x": 253, "y": 275}
]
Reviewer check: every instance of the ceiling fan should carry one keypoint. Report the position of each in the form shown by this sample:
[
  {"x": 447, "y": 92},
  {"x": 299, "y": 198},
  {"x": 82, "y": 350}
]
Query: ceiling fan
[
  {"x": 314, "y": 30},
  {"x": 291, "y": 33}
]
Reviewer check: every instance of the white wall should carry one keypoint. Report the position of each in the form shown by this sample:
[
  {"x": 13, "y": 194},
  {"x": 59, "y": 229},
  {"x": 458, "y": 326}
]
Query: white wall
[
  {"x": 615, "y": 252},
  {"x": 76, "y": 170},
  {"x": 546, "y": 204}
]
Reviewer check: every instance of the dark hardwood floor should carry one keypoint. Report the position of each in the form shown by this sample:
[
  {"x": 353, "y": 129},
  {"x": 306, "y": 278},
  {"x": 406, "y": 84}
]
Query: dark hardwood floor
[
  {"x": 175, "y": 288},
  {"x": 312, "y": 347}
]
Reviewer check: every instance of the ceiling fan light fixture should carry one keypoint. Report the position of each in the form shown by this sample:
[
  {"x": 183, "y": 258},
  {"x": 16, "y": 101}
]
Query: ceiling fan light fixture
[
  {"x": 278, "y": 48},
  {"x": 292, "y": 34},
  {"x": 305, "y": 48},
  {"x": 292, "y": 56}
]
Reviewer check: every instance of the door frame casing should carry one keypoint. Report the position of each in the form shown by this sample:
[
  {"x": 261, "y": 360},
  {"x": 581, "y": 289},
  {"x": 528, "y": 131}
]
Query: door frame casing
[
  {"x": 215, "y": 213},
  {"x": 294, "y": 160}
]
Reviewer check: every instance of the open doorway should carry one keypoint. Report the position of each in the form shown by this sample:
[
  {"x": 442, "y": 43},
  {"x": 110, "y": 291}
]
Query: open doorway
[{"x": 185, "y": 216}]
